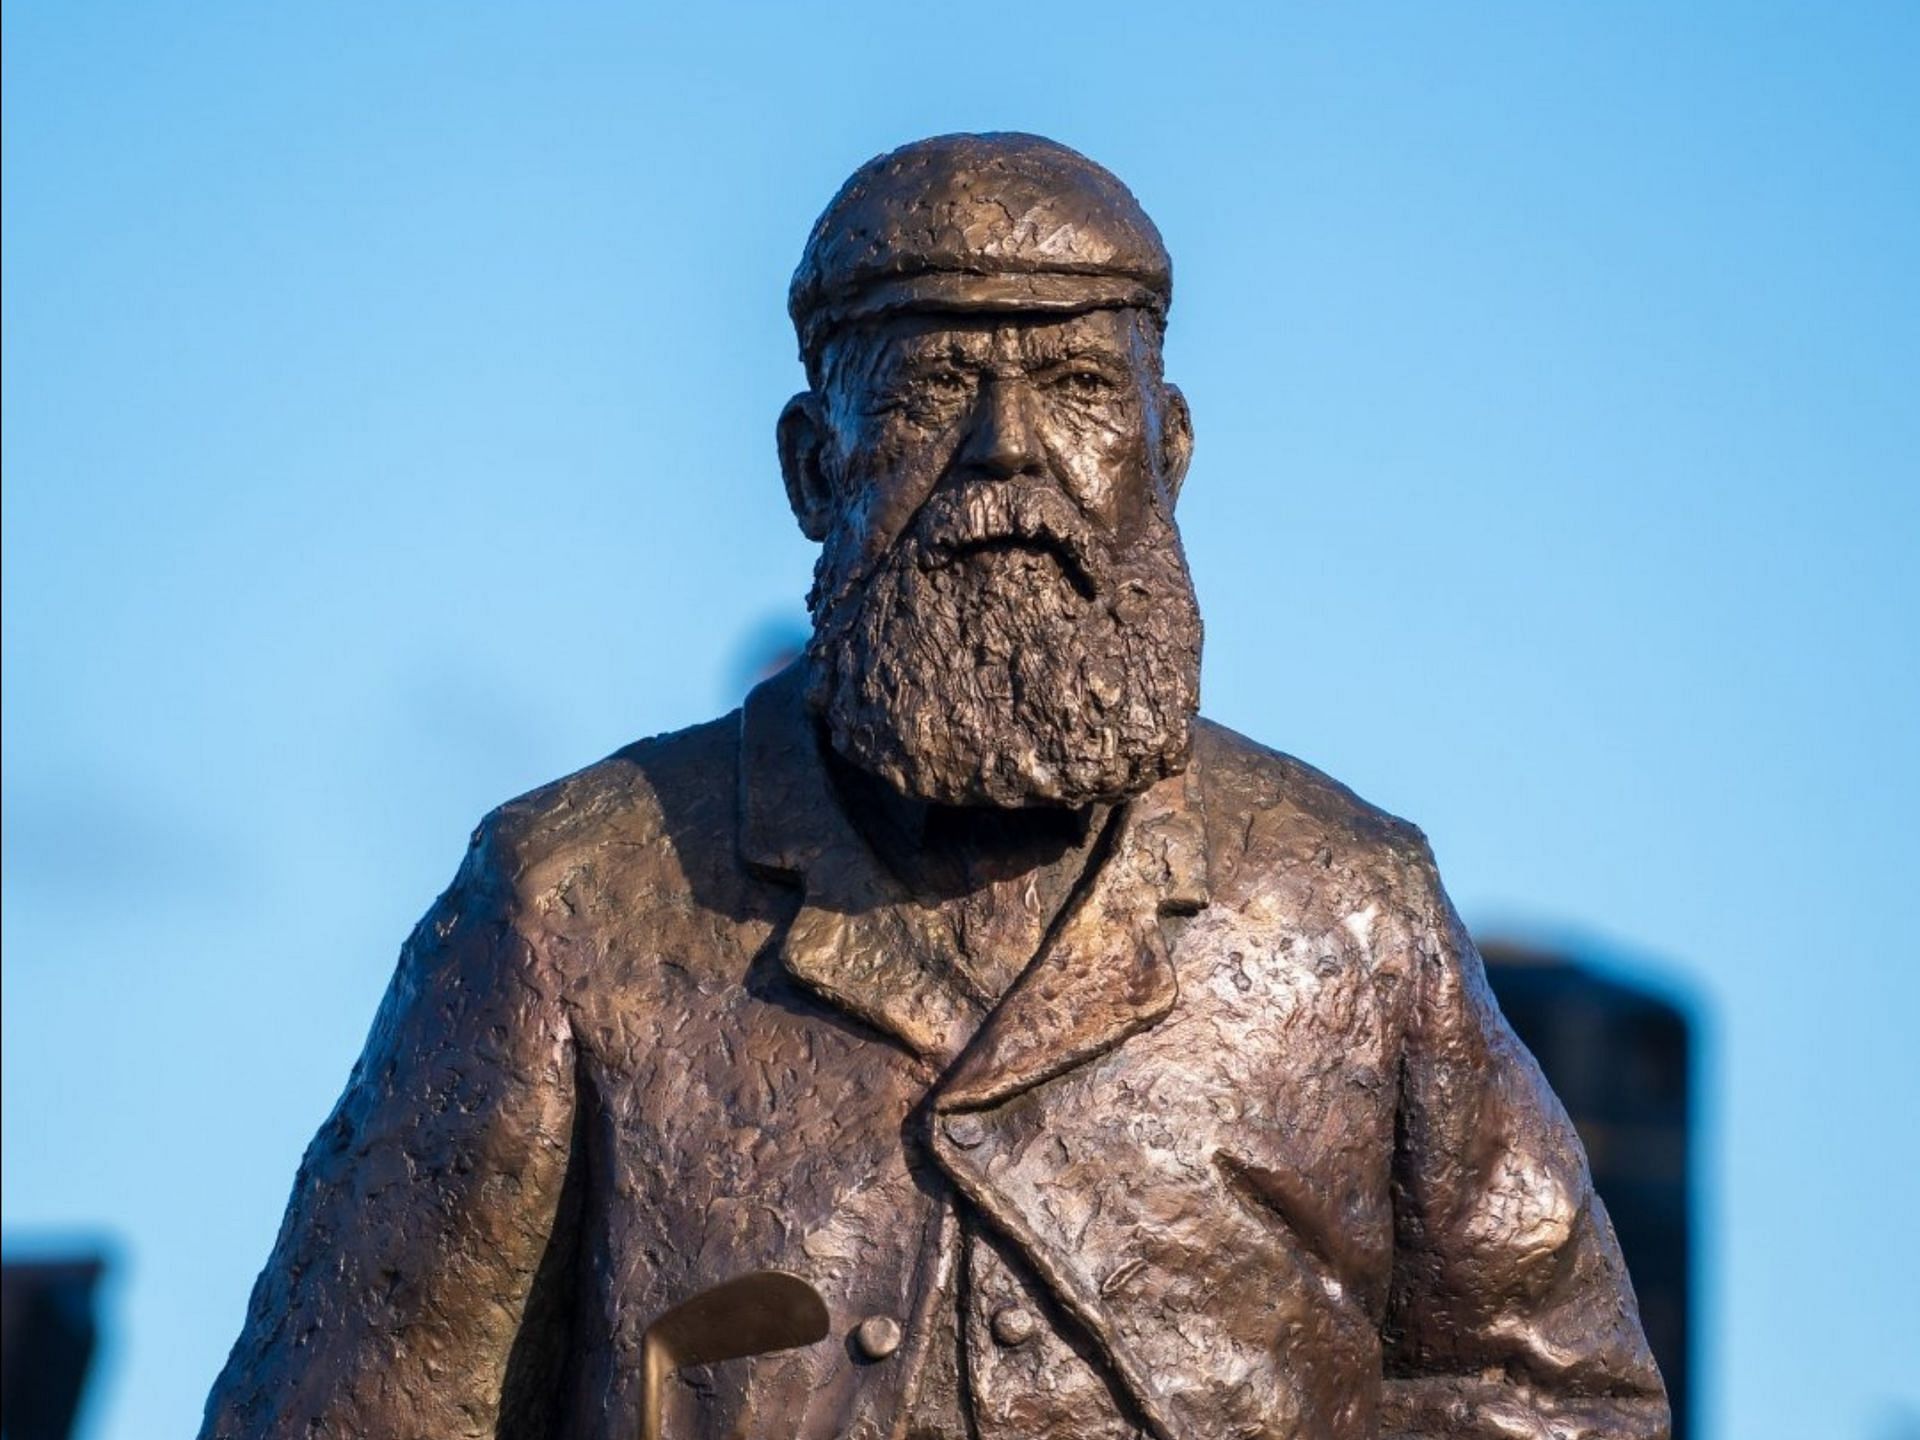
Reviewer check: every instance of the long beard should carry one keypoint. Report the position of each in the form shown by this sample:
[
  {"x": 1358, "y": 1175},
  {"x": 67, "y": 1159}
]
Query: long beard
[{"x": 998, "y": 654}]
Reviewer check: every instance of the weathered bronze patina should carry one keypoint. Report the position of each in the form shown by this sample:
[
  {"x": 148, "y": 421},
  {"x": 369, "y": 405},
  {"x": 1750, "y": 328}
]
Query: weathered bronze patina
[{"x": 1101, "y": 1072}]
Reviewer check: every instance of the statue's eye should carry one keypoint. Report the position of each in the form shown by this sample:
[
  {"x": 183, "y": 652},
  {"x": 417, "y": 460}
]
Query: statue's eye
[
  {"x": 922, "y": 391},
  {"x": 1083, "y": 385},
  {"x": 946, "y": 383}
]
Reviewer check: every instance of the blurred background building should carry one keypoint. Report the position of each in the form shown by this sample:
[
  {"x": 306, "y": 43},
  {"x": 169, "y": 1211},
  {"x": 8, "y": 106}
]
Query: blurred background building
[
  {"x": 47, "y": 1336},
  {"x": 1620, "y": 1057}
]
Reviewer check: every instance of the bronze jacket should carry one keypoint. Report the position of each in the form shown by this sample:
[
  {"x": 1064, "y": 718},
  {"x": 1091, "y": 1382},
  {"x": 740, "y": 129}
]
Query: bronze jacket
[{"x": 1249, "y": 1138}]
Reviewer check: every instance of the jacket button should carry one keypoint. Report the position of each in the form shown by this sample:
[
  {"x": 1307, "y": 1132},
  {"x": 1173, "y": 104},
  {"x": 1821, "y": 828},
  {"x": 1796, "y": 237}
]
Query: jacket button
[
  {"x": 878, "y": 1336},
  {"x": 966, "y": 1131},
  {"x": 1013, "y": 1325}
]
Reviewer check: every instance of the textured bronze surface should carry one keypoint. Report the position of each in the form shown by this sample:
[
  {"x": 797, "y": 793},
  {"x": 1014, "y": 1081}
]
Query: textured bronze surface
[{"x": 1105, "y": 1073}]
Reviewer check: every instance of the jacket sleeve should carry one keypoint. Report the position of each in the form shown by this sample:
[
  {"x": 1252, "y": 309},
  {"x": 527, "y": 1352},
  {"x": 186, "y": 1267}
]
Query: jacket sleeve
[
  {"x": 1511, "y": 1313},
  {"x": 423, "y": 1209}
]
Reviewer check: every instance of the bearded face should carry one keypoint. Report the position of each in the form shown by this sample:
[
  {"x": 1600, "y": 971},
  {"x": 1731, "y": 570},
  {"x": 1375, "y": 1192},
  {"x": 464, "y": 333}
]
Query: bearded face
[{"x": 1002, "y": 609}]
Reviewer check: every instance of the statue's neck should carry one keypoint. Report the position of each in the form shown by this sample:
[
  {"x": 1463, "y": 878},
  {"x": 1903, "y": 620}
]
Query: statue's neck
[{"x": 941, "y": 851}]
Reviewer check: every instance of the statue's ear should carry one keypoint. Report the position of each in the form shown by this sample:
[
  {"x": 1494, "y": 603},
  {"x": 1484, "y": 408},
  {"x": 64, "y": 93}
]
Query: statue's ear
[
  {"x": 1176, "y": 439},
  {"x": 802, "y": 438}
]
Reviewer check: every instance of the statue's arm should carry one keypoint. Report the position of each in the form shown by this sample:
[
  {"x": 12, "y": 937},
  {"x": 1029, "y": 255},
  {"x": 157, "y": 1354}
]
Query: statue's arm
[
  {"x": 422, "y": 1210},
  {"x": 1511, "y": 1312}
]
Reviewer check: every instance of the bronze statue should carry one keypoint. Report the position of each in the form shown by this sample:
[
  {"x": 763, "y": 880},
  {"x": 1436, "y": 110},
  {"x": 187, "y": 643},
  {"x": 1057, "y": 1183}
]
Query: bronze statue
[{"x": 964, "y": 1040}]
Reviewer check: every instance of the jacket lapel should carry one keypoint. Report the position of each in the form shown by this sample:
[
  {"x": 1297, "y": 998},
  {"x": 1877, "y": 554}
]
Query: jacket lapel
[
  {"x": 858, "y": 939},
  {"x": 1105, "y": 972}
]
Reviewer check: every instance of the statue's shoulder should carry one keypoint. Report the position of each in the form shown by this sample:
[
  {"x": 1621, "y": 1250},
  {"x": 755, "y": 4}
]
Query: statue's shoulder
[
  {"x": 652, "y": 810},
  {"x": 1268, "y": 812}
]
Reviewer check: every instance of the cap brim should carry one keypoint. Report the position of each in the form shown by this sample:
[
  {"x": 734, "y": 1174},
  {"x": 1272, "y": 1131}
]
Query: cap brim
[{"x": 1053, "y": 292}]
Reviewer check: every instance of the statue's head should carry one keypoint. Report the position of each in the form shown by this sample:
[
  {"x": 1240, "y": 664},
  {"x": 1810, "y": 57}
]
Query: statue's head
[{"x": 989, "y": 457}]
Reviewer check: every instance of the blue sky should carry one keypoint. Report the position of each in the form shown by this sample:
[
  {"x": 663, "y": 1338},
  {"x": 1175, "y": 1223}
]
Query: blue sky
[{"x": 388, "y": 403}]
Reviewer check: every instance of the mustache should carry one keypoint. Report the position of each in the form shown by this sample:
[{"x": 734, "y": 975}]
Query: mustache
[{"x": 1001, "y": 514}]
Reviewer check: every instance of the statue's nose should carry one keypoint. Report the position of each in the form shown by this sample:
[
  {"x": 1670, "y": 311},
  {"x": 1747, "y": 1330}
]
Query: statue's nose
[{"x": 1002, "y": 441}]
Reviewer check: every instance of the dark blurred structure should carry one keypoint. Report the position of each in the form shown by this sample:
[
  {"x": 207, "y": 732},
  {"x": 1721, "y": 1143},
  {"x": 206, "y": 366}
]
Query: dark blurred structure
[
  {"x": 774, "y": 642},
  {"x": 1619, "y": 1057},
  {"x": 47, "y": 1333}
]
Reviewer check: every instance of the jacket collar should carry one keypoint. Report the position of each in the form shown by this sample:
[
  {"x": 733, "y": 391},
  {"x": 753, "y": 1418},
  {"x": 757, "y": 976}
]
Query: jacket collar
[{"x": 861, "y": 940}]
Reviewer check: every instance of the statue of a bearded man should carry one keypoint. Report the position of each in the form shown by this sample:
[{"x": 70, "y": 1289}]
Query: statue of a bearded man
[{"x": 964, "y": 1040}]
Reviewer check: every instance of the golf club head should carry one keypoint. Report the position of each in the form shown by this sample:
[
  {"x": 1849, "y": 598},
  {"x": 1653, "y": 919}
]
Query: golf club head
[{"x": 753, "y": 1314}]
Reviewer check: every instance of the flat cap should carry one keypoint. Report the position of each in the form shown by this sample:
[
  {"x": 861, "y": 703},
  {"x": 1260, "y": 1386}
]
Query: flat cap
[{"x": 977, "y": 222}]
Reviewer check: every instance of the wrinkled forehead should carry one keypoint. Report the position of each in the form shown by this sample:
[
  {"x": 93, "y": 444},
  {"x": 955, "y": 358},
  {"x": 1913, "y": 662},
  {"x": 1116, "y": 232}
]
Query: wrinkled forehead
[{"x": 1117, "y": 336}]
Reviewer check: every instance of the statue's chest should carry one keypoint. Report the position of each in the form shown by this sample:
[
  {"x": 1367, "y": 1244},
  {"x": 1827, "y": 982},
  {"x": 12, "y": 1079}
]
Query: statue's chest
[
  {"x": 732, "y": 1132},
  {"x": 741, "y": 1128},
  {"x": 751, "y": 1126}
]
